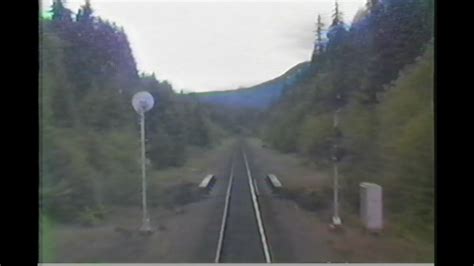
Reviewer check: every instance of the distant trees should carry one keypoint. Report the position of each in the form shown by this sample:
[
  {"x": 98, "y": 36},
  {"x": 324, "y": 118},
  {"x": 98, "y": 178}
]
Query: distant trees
[{"x": 257, "y": 97}]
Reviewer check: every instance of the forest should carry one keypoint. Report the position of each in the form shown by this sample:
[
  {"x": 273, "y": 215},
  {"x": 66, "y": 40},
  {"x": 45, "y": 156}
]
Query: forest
[
  {"x": 377, "y": 73},
  {"x": 89, "y": 130}
]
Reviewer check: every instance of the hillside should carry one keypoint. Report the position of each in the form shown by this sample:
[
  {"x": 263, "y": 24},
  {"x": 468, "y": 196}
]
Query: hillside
[
  {"x": 377, "y": 76},
  {"x": 259, "y": 96},
  {"x": 88, "y": 77}
]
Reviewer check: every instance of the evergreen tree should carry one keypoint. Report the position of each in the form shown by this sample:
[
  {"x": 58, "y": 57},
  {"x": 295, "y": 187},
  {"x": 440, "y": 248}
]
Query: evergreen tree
[
  {"x": 84, "y": 14},
  {"x": 60, "y": 12},
  {"x": 319, "y": 45},
  {"x": 337, "y": 16},
  {"x": 371, "y": 4}
]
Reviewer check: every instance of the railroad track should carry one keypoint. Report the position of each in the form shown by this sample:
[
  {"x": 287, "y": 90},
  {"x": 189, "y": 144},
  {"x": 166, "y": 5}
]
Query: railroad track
[{"x": 242, "y": 235}]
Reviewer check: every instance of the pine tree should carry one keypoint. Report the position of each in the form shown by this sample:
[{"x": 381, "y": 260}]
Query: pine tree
[
  {"x": 337, "y": 16},
  {"x": 85, "y": 12},
  {"x": 60, "y": 12},
  {"x": 371, "y": 4},
  {"x": 319, "y": 36}
]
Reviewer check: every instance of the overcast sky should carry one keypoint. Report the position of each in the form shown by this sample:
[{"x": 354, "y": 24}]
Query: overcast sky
[{"x": 217, "y": 45}]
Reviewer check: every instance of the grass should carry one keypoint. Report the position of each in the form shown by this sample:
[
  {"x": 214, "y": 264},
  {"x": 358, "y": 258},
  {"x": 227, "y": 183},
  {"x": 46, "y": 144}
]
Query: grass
[
  {"x": 46, "y": 239},
  {"x": 73, "y": 242},
  {"x": 200, "y": 162},
  {"x": 396, "y": 243}
]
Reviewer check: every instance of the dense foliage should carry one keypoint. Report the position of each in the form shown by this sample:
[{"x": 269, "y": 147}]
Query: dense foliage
[
  {"x": 89, "y": 131},
  {"x": 379, "y": 73}
]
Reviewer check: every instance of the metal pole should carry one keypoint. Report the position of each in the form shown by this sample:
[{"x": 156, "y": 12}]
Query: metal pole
[
  {"x": 336, "y": 119},
  {"x": 336, "y": 220},
  {"x": 146, "y": 221},
  {"x": 336, "y": 190}
]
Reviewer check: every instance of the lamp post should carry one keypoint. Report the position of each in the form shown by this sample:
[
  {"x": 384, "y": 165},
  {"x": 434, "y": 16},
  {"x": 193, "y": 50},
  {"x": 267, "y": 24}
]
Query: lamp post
[
  {"x": 336, "y": 157},
  {"x": 143, "y": 102}
]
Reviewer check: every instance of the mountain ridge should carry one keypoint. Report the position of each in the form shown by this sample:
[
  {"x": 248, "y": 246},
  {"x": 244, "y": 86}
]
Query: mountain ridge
[{"x": 259, "y": 96}]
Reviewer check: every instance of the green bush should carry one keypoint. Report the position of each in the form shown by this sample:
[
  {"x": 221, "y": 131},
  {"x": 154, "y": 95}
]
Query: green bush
[
  {"x": 390, "y": 143},
  {"x": 316, "y": 133}
]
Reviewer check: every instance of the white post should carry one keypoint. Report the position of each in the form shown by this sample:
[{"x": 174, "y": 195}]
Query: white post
[
  {"x": 336, "y": 119},
  {"x": 143, "y": 102},
  {"x": 146, "y": 220},
  {"x": 335, "y": 219}
]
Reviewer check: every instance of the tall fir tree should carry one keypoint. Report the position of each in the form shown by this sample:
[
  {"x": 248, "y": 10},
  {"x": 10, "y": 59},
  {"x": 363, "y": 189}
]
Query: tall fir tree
[
  {"x": 337, "y": 16},
  {"x": 371, "y": 4},
  {"x": 319, "y": 45},
  {"x": 85, "y": 12},
  {"x": 60, "y": 12}
]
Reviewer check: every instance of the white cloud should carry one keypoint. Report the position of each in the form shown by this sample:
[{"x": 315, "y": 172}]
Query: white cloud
[{"x": 212, "y": 45}]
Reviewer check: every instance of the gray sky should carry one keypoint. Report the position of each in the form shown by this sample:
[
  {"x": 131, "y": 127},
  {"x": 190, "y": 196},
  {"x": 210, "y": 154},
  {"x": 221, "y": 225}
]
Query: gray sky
[{"x": 217, "y": 45}]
